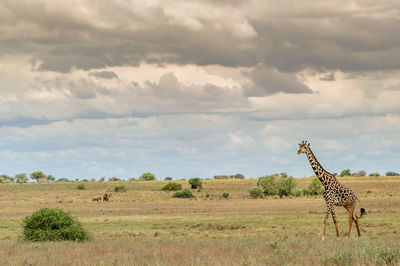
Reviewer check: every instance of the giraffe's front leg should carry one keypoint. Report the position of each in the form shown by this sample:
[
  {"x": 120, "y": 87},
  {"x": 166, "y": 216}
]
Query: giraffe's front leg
[
  {"x": 335, "y": 221},
  {"x": 325, "y": 223}
]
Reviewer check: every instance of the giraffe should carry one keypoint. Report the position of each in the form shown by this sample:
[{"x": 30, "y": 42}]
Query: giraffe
[{"x": 335, "y": 193}]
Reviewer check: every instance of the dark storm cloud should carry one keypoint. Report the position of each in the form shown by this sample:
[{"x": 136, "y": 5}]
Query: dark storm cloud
[
  {"x": 269, "y": 81},
  {"x": 103, "y": 74},
  {"x": 325, "y": 36}
]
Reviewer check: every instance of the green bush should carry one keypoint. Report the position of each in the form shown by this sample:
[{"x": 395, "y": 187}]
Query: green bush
[
  {"x": 195, "y": 183},
  {"x": 286, "y": 186},
  {"x": 275, "y": 185},
  {"x": 256, "y": 192},
  {"x": 172, "y": 186},
  {"x": 314, "y": 188},
  {"x": 225, "y": 195},
  {"x": 80, "y": 187},
  {"x": 183, "y": 194},
  {"x": 147, "y": 177},
  {"x": 120, "y": 188},
  {"x": 268, "y": 184},
  {"x": 53, "y": 225}
]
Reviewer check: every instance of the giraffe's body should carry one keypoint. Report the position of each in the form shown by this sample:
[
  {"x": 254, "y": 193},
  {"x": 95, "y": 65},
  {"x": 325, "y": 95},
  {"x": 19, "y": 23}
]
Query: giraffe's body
[{"x": 335, "y": 193}]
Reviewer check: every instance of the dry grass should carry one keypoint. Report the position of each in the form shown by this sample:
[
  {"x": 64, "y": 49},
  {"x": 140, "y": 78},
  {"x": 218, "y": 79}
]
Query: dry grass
[{"x": 146, "y": 226}]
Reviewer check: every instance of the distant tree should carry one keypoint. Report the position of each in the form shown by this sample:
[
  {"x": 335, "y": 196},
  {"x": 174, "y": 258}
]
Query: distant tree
[
  {"x": 6, "y": 179},
  {"x": 147, "y": 177},
  {"x": 238, "y": 176},
  {"x": 284, "y": 174},
  {"x": 168, "y": 178},
  {"x": 374, "y": 174},
  {"x": 114, "y": 179},
  {"x": 62, "y": 180},
  {"x": 391, "y": 173},
  {"x": 362, "y": 173},
  {"x": 102, "y": 179},
  {"x": 21, "y": 178},
  {"x": 221, "y": 177},
  {"x": 346, "y": 172},
  {"x": 51, "y": 178},
  {"x": 195, "y": 183},
  {"x": 38, "y": 176}
]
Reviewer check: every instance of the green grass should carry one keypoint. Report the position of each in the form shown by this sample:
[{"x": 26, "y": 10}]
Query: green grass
[{"x": 147, "y": 226}]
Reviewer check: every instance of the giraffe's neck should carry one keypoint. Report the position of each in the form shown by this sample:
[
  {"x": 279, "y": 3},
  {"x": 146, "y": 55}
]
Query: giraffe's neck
[{"x": 324, "y": 176}]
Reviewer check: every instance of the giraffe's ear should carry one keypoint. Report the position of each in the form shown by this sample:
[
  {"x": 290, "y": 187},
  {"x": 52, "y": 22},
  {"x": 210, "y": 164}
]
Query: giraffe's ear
[
  {"x": 308, "y": 144},
  {"x": 299, "y": 144}
]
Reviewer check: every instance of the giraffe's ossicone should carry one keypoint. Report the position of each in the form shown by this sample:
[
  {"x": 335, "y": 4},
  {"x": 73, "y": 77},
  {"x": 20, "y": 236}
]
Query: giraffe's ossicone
[{"x": 335, "y": 193}]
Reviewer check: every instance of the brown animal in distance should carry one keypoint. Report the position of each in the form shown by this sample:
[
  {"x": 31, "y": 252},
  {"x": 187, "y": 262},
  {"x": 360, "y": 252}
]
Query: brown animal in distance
[
  {"x": 107, "y": 196},
  {"x": 96, "y": 198}
]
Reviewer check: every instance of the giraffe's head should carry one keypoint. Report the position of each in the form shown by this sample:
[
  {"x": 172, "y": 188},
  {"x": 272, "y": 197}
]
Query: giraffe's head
[{"x": 304, "y": 146}]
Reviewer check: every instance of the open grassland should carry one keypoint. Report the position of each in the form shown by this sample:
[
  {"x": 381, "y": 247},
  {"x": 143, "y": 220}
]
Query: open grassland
[{"x": 146, "y": 226}]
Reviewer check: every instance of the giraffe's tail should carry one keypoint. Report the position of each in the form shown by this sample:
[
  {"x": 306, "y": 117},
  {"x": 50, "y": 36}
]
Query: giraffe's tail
[{"x": 362, "y": 210}]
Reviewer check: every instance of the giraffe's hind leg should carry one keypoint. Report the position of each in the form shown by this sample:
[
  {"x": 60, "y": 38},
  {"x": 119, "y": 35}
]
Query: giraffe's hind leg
[
  {"x": 350, "y": 209},
  {"x": 352, "y": 217},
  {"x": 355, "y": 218}
]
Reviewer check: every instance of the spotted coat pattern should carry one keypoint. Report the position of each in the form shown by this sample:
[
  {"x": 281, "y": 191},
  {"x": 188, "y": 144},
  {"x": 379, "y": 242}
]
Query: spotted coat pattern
[{"x": 335, "y": 193}]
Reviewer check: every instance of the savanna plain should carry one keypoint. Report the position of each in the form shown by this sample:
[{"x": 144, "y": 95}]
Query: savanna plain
[{"x": 146, "y": 226}]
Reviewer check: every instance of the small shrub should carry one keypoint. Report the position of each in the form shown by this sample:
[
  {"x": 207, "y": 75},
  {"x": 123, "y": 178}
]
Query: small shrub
[
  {"x": 168, "y": 178},
  {"x": 147, "y": 177},
  {"x": 172, "y": 186},
  {"x": 256, "y": 192},
  {"x": 80, "y": 187},
  {"x": 114, "y": 179},
  {"x": 314, "y": 188},
  {"x": 183, "y": 194},
  {"x": 195, "y": 183},
  {"x": 53, "y": 225},
  {"x": 120, "y": 188},
  {"x": 225, "y": 195}
]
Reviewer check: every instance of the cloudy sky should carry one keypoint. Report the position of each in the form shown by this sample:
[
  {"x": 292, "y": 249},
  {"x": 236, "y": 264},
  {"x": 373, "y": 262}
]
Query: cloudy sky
[{"x": 198, "y": 88}]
